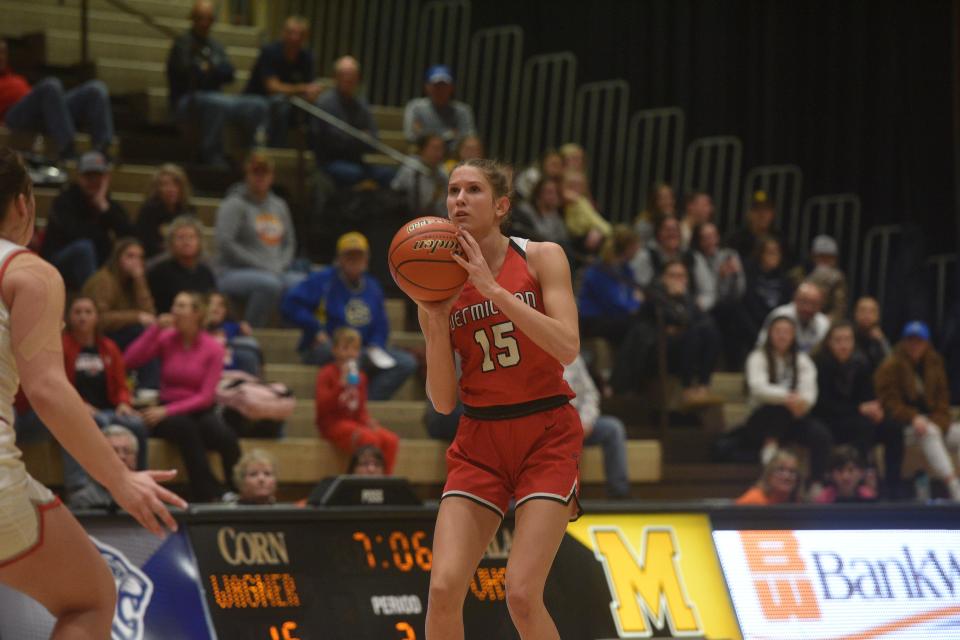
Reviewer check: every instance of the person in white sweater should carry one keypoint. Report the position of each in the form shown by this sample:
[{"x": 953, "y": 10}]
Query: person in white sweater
[
  {"x": 604, "y": 430},
  {"x": 782, "y": 388},
  {"x": 811, "y": 324}
]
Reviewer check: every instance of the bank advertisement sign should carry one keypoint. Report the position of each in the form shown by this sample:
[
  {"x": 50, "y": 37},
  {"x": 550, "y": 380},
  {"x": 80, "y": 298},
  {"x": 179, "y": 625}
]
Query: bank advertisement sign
[{"x": 825, "y": 584}]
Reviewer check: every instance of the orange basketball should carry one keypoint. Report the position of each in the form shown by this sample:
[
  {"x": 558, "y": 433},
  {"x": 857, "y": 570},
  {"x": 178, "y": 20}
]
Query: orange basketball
[{"x": 421, "y": 259}]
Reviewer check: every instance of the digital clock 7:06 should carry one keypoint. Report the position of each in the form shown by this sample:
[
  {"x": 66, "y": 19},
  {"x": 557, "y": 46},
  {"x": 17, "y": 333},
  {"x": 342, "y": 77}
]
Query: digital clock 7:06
[{"x": 396, "y": 550}]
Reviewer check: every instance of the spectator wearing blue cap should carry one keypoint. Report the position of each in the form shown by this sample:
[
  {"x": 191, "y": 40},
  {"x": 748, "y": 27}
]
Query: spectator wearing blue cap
[
  {"x": 438, "y": 113},
  {"x": 912, "y": 386}
]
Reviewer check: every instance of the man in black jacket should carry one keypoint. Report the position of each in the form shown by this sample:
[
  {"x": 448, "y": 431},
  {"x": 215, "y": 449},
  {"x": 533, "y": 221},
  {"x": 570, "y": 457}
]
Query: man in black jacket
[
  {"x": 197, "y": 69},
  {"x": 84, "y": 223}
]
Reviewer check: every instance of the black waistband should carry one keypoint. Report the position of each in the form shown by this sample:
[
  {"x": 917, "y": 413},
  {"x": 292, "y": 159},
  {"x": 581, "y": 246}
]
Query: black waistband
[{"x": 519, "y": 410}]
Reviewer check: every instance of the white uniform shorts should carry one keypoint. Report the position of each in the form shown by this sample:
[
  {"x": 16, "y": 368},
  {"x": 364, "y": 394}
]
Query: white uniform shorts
[{"x": 22, "y": 510}]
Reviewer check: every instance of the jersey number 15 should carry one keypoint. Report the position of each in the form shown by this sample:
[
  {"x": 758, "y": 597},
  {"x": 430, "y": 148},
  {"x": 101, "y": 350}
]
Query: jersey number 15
[{"x": 507, "y": 350}]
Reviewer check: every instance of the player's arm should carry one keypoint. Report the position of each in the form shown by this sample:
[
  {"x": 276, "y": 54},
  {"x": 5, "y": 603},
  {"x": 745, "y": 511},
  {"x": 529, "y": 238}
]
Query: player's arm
[
  {"x": 434, "y": 320},
  {"x": 33, "y": 291},
  {"x": 557, "y": 331}
]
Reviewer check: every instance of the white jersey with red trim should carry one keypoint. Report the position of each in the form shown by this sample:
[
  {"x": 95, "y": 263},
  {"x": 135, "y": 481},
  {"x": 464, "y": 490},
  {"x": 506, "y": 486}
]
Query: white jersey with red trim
[{"x": 13, "y": 475}]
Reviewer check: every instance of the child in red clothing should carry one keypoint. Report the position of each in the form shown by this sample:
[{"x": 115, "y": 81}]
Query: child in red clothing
[{"x": 342, "y": 416}]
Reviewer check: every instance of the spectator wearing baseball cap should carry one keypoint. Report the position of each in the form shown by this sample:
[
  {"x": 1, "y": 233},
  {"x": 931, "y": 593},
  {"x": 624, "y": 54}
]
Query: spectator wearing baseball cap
[
  {"x": 912, "y": 386},
  {"x": 84, "y": 222},
  {"x": 760, "y": 222},
  {"x": 438, "y": 113},
  {"x": 256, "y": 242},
  {"x": 344, "y": 294},
  {"x": 824, "y": 272}
]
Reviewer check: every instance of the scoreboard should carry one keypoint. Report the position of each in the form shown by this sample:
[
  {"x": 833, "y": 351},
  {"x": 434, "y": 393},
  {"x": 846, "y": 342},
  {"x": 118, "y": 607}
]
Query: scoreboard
[
  {"x": 691, "y": 570},
  {"x": 347, "y": 576}
]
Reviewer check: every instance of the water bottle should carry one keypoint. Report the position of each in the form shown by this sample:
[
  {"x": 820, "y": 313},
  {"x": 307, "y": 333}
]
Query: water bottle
[
  {"x": 353, "y": 373},
  {"x": 921, "y": 485}
]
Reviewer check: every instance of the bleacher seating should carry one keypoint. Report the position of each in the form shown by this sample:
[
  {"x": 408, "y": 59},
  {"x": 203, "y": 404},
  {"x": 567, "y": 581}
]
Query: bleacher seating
[{"x": 129, "y": 56}]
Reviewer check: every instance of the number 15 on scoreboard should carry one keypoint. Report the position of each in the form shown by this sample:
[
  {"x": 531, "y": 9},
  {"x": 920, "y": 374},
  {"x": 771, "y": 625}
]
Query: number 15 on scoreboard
[{"x": 284, "y": 632}]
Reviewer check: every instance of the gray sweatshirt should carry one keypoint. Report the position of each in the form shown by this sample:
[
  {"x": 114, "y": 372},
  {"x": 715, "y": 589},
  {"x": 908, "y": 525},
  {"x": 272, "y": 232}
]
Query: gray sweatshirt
[{"x": 251, "y": 234}]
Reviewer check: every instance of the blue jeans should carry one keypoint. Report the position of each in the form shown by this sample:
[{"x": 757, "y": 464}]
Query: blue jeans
[
  {"x": 346, "y": 173},
  {"x": 383, "y": 382},
  {"x": 278, "y": 120},
  {"x": 48, "y": 108},
  {"x": 608, "y": 432},
  {"x": 245, "y": 355},
  {"x": 76, "y": 262},
  {"x": 260, "y": 289},
  {"x": 31, "y": 429},
  {"x": 210, "y": 111}
]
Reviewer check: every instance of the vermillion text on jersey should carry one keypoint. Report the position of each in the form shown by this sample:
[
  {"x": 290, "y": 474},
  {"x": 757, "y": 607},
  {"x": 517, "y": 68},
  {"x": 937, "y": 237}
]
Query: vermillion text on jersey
[{"x": 486, "y": 309}]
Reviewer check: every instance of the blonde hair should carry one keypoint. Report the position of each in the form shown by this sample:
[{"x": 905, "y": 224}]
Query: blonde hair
[
  {"x": 771, "y": 467},
  {"x": 346, "y": 335},
  {"x": 617, "y": 242},
  {"x": 297, "y": 21},
  {"x": 571, "y": 148},
  {"x": 179, "y": 176},
  {"x": 249, "y": 458}
]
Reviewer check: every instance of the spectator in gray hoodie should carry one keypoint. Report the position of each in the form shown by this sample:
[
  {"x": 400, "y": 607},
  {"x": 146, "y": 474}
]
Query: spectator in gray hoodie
[{"x": 256, "y": 243}]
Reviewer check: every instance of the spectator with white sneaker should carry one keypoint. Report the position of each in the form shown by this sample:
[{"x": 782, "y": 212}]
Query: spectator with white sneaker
[{"x": 912, "y": 386}]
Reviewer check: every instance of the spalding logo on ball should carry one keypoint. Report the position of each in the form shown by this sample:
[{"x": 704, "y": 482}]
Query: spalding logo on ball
[{"x": 421, "y": 259}]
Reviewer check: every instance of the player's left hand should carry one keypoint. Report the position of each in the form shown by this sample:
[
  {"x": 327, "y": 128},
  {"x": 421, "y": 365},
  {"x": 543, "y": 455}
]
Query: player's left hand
[{"x": 478, "y": 271}]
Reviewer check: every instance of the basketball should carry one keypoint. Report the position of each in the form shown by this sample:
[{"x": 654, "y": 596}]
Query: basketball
[{"x": 421, "y": 259}]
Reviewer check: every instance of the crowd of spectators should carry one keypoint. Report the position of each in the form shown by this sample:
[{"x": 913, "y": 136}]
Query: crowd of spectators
[{"x": 667, "y": 293}]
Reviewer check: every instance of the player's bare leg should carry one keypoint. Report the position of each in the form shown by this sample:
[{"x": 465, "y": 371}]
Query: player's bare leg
[
  {"x": 463, "y": 532},
  {"x": 68, "y": 577},
  {"x": 540, "y": 525}
]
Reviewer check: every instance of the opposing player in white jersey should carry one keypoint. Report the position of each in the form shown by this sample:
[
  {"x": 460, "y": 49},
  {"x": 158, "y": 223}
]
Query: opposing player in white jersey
[{"x": 43, "y": 550}]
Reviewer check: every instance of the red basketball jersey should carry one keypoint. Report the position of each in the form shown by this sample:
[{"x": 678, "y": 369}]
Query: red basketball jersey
[{"x": 500, "y": 365}]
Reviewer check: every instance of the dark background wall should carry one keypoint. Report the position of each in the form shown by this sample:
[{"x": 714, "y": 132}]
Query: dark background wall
[{"x": 859, "y": 93}]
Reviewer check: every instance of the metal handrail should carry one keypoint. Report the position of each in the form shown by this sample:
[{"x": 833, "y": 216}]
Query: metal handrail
[
  {"x": 363, "y": 136},
  {"x": 122, "y": 6}
]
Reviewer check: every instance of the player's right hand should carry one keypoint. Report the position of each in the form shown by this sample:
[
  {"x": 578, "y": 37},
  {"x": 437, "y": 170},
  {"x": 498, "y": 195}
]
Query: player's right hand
[
  {"x": 139, "y": 495},
  {"x": 440, "y": 308}
]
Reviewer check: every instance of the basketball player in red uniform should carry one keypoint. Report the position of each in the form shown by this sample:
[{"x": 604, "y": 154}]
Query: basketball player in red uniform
[{"x": 514, "y": 325}]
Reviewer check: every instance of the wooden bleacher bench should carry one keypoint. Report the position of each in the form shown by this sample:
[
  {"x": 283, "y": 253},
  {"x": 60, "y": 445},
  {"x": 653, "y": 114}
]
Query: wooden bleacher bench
[{"x": 308, "y": 460}]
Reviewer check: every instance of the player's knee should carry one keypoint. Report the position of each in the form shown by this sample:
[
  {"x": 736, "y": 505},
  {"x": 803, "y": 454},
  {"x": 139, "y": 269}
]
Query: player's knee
[
  {"x": 445, "y": 598},
  {"x": 95, "y": 603},
  {"x": 522, "y": 601}
]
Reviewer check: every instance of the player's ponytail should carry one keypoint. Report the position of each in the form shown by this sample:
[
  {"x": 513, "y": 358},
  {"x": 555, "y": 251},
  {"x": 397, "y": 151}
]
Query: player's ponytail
[{"x": 14, "y": 180}]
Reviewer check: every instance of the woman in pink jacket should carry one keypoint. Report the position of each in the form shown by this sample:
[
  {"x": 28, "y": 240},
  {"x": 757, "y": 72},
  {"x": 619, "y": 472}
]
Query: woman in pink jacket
[{"x": 191, "y": 362}]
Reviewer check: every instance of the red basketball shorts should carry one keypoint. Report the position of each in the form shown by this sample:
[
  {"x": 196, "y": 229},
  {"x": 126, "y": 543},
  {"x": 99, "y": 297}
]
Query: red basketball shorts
[{"x": 536, "y": 456}]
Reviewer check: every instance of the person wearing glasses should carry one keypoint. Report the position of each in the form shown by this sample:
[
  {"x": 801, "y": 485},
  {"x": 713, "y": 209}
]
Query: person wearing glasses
[{"x": 779, "y": 483}]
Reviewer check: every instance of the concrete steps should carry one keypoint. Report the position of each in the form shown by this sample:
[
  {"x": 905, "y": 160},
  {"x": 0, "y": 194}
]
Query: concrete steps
[
  {"x": 206, "y": 207},
  {"x": 63, "y": 48},
  {"x": 154, "y": 8},
  {"x": 131, "y": 76},
  {"x": 302, "y": 380},
  {"x": 305, "y": 461},
  {"x": 25, "y": 17},
  {"x": 404, "y": 417},
  {"x": 23, "y": 141}
]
